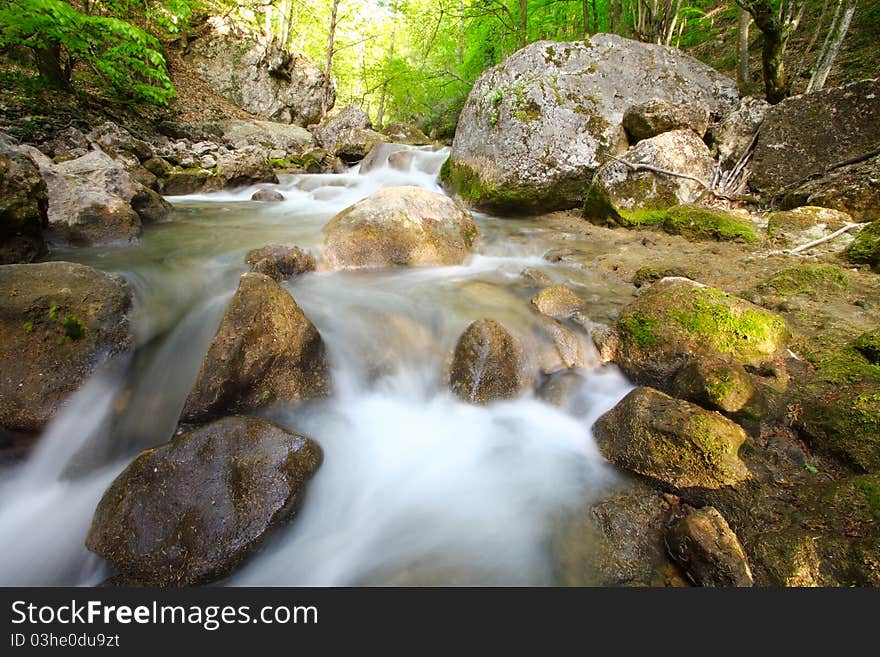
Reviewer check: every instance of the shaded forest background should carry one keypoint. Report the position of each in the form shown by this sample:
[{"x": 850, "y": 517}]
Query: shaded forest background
[{"x": 415, "y": 60}]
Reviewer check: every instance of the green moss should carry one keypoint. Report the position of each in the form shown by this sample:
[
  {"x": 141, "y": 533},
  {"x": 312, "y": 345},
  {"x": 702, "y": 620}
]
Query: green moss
[
  {"x": 806, "y": 279},
  {"x": 520, "y": 200},
  {"x": 640, "y": 328},
  {"x": 871, "y": 491},
  {"x": 446, "y": 171},
  {"x": 27, "y": 327},
  {"x": 868, "y": 345},
  {"x": 699, "y": 223},
  {"x": 278, "y": 163},
  {"x": 686, "y": 220},
  {"x": 844, "y": 366},
  {"x": 73, "y": 328},
  {"x": 53, "y": 309},
  {"x": 865, "y": 248},
  {"x": 729, "y": 329}
]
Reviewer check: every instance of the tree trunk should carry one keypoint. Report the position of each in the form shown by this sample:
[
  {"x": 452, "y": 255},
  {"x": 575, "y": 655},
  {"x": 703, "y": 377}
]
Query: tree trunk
[
  {"x": 523, "y": 23},
  {"x": 49, "y": 65},
  {"x": 380, "y": 114},
  {"x": 743, "y": 74},
  {"x": 328, "y": 65},
  {"x": 775, "y": 85},
  {"x": 831, "y": 47}
]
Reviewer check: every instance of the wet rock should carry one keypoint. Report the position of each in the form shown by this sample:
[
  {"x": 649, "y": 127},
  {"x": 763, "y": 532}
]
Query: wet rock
[
  {"x": 677, "y": 319},
  {"x": 267, "y": 196},
  {"x": 534, "y": 277},
  {"x": 259, "y": 76},
  {"x": 561, "y": 388},
  {"x": 618, "y": 189},
  {"x": 246, "y": 166},
  {"x": 280, "y": 262},
  {"x": 180, "y": 182},
  {"x": 714, "y": 384},
  {"x": 353, "y": 144},
  {"x": 557, "y": 302},
  {"x": 708, "y": 550},
  {"x": 59, "y": 321},
  {"x": 399, "y": 226},
  {"x": 191, "y": 510},
  {"x": 23, "y": 205},
  {"x": 798, "y": 140},
  {"x": 674, "y": 442},
  {"x": 488, "y": 364},
  {"x": 380, "y": 156},
  {"x": 537, "y": 126},
  {"x": 617, "y": 541},
  {"x": 350, "y": 117},
  {"x": 265, "y": 351},
  {"x": 567, "y": 348},
  {"x": 405, "y": 133},
  {"x": 790, "y": 228},
  {"x": 656, "y": 116}
]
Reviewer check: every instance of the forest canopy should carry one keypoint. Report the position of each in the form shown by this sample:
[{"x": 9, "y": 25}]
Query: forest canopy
[{"x": 415, "y": 60}]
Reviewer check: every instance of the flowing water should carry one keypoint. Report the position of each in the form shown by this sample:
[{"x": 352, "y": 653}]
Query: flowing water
[{"x": 416, "y": 486}]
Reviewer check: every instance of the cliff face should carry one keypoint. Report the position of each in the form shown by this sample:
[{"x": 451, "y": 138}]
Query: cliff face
[{"x": 259, "y": 76}]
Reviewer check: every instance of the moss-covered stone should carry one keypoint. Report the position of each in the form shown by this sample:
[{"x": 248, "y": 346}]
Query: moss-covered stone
[
  {"x": 868, "y": 344},
  {"x": 674, "y": 442},
  {"x": 809, "y": 280},
  {"x": 846, "y": 424},
  {"x": 715, "y": 384},
  {"x": 865, "y": 248},
  {"x": 690, "y": 221},
  {"x": 677, "y": 319}
]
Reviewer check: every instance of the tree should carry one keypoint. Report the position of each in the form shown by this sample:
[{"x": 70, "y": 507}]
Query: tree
[
  {"x": 777, "y": 23},
  {"x": 743, "y": 73},
  {"x": 328, "y": 61},
  {"x": 833, "y": 41},
  {"x": 123, "y": 58}
]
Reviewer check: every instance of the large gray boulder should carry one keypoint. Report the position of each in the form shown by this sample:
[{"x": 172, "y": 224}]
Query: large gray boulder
[
  {"x": 400, "y": 226},
  {"x": 350, "y": 117},
  {"x": 189, "y": 511},
  {"x": 59, "y": 322},
  {"x": 805, "y": 135},
  {"x": 266, "y": 134},
  {"x": 23, "y": 204},
  {"x": 488, "y": 364},
  {"x": 536, "y": 127},
  {"x": 259, "y": 76}
]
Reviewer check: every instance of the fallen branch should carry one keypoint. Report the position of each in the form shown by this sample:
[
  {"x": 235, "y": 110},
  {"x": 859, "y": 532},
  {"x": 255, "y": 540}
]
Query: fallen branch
[
  {"x": 666, "y": 172},
  {"x": 821, "y": 240}
]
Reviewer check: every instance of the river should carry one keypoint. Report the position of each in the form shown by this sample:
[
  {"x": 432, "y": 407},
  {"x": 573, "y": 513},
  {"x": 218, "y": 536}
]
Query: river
[{"x": 416, "y": 487}]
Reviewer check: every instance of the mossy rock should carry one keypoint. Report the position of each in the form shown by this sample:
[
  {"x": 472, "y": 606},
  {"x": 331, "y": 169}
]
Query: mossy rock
[
  {"x": 677, "y": 319},
  {"x": 714, "y": 384},
  {"x": 865, "y": 248},
  {"x": 805, "y": 224},
  {"x": 675, "y": 443},
  {"x": 690, "y": 221},
  {"x": 868, "y": 344},
  {"x": 650, "y": 274},
  {"x": 811, "y": 280},
  {"x": 846, "y": 424}
]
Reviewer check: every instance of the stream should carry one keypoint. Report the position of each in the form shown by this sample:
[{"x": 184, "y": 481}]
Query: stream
[{"x": 416, "y": 487}]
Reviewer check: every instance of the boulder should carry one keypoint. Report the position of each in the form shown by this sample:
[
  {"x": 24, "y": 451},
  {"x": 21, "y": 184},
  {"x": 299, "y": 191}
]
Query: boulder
[
  {"x": 732, "y": 136},
  {"x": 705, "y": 546},
  {"x": 180, "y": 182},
  {"x": 266, "y": 135},
  {"x": 119, "y": 142},
  {"x": 245, "y": 166},
  {"x": 557, "y": 302},
  {"x": 656, "y": 116},
  {"x": 488, "y": 364},
  {"x": 23, "y": 205},
  {"x": 676, "y": 319},
  {"x": 790, "y": 228},
  {"x": 350, "y": 117},
  {"x": 191, "y": 510},
  {"x": 67, "y": 144},
  {"x": 805, "y": 135},
  {"x": 617, "y": 541},
  {"x": 854, "y": 189},
  {"x": 353, "y": 144},
  {"x": 280, "y": 262},
  {"x": 674, "y": 442},
  {"x": 399, "y": 226},
  {"x": 59, "y": 322},
  {"x": 865, "y": 248},
  {"x": 714, "y": 384},
  {"x": 267, "y": 196},
  {"x": 405, "y": 133},
  {"x": 619, "y": 190},
  {"x": 536, "y": 127},
  {"x": 561, "y": 348},
  {"x": 259, "y": 76},
  {"x": 265, "y": 351}
]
